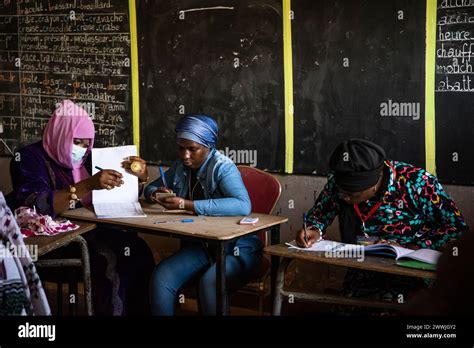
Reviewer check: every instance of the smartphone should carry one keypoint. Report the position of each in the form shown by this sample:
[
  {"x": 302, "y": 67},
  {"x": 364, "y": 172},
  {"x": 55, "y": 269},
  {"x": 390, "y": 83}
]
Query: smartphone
[
  {"x": 248, "y": 221},
  {"x": 163, "y": 195}
]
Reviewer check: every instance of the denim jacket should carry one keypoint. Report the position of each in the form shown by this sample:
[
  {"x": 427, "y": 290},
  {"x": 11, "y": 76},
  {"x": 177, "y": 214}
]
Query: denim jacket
[{"x": 224, "y": 190}]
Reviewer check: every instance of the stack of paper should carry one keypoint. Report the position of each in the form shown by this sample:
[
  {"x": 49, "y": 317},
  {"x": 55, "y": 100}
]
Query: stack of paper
[{"x": 120, "y": 202}]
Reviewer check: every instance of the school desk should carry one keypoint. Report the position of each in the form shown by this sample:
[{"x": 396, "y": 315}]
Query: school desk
[
  {"x": 370, "y": 263},
  {"x": 216, "y": 231},
  {"x": 46, "y": 244}
]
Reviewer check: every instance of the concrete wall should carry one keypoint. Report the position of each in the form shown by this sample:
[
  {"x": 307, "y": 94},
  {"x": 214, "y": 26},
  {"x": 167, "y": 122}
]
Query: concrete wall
[{"x": 298, "y": 195}]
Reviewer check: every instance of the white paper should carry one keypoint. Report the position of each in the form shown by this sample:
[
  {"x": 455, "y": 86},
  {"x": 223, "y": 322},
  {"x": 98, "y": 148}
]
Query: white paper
[
  {"x": 425, "y": 255},
  {"x": 120, "y": 202},
  {"x": 324, "y": 245}
]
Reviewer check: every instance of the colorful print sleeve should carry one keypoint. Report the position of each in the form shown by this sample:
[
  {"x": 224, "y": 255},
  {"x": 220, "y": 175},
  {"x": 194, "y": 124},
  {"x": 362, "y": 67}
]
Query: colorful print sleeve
[
  {"x": 326, "y": 207},
  {"x": 439, "y": 210}
]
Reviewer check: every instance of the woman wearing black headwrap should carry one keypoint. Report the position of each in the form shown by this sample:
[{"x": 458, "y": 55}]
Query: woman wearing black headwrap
[{"x": 381, "y": 200}]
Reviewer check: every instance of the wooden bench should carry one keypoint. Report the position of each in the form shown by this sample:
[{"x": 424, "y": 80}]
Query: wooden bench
[{"x": 370, "y": 263}]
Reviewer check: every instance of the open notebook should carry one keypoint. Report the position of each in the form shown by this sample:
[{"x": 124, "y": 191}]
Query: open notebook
[
  {"x": 424, "y": 255},
  {"x": 400, "y": 254},
  {"x": 120, "y": 202}
]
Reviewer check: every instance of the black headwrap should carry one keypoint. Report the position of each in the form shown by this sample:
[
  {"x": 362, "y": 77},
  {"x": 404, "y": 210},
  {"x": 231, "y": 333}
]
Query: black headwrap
[{"x": 357, "y": 164}]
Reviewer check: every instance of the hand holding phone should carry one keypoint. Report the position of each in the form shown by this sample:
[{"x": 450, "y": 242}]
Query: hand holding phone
[{"x": 162, "y": 195}]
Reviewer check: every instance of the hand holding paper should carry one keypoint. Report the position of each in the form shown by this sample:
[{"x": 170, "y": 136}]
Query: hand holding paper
[
  {"x": 121, "y": 201},
  {"x": 106, "y": 179}
]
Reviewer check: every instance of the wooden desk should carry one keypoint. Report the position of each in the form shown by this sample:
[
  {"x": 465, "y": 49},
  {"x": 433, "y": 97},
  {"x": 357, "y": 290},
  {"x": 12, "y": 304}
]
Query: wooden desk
[
  {"x": 47, "y": 244},
  {"x": 216, "y": 231},
  {"x": 370, "y": 263}
]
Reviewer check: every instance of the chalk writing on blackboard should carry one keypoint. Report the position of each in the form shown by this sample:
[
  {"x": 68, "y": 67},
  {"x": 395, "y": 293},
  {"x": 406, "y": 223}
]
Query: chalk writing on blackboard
[
  {"x": 455, "y": 47},
  {"x": 77, "y": 50}
]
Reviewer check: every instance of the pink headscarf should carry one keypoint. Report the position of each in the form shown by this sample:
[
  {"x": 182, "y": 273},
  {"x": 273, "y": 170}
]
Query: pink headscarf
[{"x": 69, "y": 121}]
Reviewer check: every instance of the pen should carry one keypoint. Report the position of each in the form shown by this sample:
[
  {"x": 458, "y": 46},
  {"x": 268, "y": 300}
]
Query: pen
[
  {"x": 99, "y": 168},
  {"x": 172, "y": 221},
  {"x": 163, "y": 177},
  {"x": 304, "y": 225}
]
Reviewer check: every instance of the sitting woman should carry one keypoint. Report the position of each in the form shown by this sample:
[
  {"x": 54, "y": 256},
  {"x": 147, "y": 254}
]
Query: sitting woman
[
  {"x": 52, "y": 175},
  {"x": 207, "y": 183},
  {"x": 378, "y": 200}
]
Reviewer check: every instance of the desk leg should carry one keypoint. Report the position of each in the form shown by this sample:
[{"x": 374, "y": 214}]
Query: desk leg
[
  {"x": 280, "y": 282},
  {"x": 221, "y": 286},
  {"x": 86, "y": 271},
  {"x": 275, "y": 239}
]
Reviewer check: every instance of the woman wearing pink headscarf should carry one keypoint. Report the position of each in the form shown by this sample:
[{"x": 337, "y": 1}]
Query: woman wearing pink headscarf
[{"x": 42, "y": 177}]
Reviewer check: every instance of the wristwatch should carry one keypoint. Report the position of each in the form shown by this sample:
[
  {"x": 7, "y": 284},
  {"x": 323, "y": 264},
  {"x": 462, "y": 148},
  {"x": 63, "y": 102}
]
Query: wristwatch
[{"x": 136, "y": 167}]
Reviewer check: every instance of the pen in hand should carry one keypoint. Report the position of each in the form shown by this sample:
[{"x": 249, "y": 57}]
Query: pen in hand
[
  {"x": 162, "y": 173},
  {"x": 304, "y": 226}
]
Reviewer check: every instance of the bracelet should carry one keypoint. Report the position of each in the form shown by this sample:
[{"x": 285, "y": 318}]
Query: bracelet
[
  {"x": 72, "y": 194},
  {"x": 144, "y": 181}
]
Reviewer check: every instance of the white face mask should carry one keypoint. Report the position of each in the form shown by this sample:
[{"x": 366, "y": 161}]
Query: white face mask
[{"x": 78, "y": 153}]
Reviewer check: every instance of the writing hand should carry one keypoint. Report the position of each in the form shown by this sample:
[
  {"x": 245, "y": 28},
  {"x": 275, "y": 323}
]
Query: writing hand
[{"x": 312, "y": 234}]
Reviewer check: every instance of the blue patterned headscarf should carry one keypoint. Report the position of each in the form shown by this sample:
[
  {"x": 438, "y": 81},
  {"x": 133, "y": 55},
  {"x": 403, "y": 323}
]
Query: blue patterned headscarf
[{"x": 201, "y": 129}]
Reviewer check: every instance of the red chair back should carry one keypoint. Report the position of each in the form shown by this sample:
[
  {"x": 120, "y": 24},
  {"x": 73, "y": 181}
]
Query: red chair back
[{"x": 264, "y": 191}]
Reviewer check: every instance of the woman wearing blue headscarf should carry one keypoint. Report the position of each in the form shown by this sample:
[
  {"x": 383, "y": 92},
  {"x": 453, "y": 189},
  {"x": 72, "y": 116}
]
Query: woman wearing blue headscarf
[{"x": 208, "y": 183}]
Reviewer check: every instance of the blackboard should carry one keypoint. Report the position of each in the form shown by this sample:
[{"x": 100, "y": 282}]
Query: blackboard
[
  {"x": 353, "y": 62},
  {"x": 358, "y": 71},
  {"x": 455, "y": 92},
  {"x": 221, "y": 58},
  {"x": 56, "y": 50}
]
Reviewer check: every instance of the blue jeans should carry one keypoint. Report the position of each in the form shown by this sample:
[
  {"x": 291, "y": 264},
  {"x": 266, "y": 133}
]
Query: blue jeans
[{"x": 194, "y": 260}]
